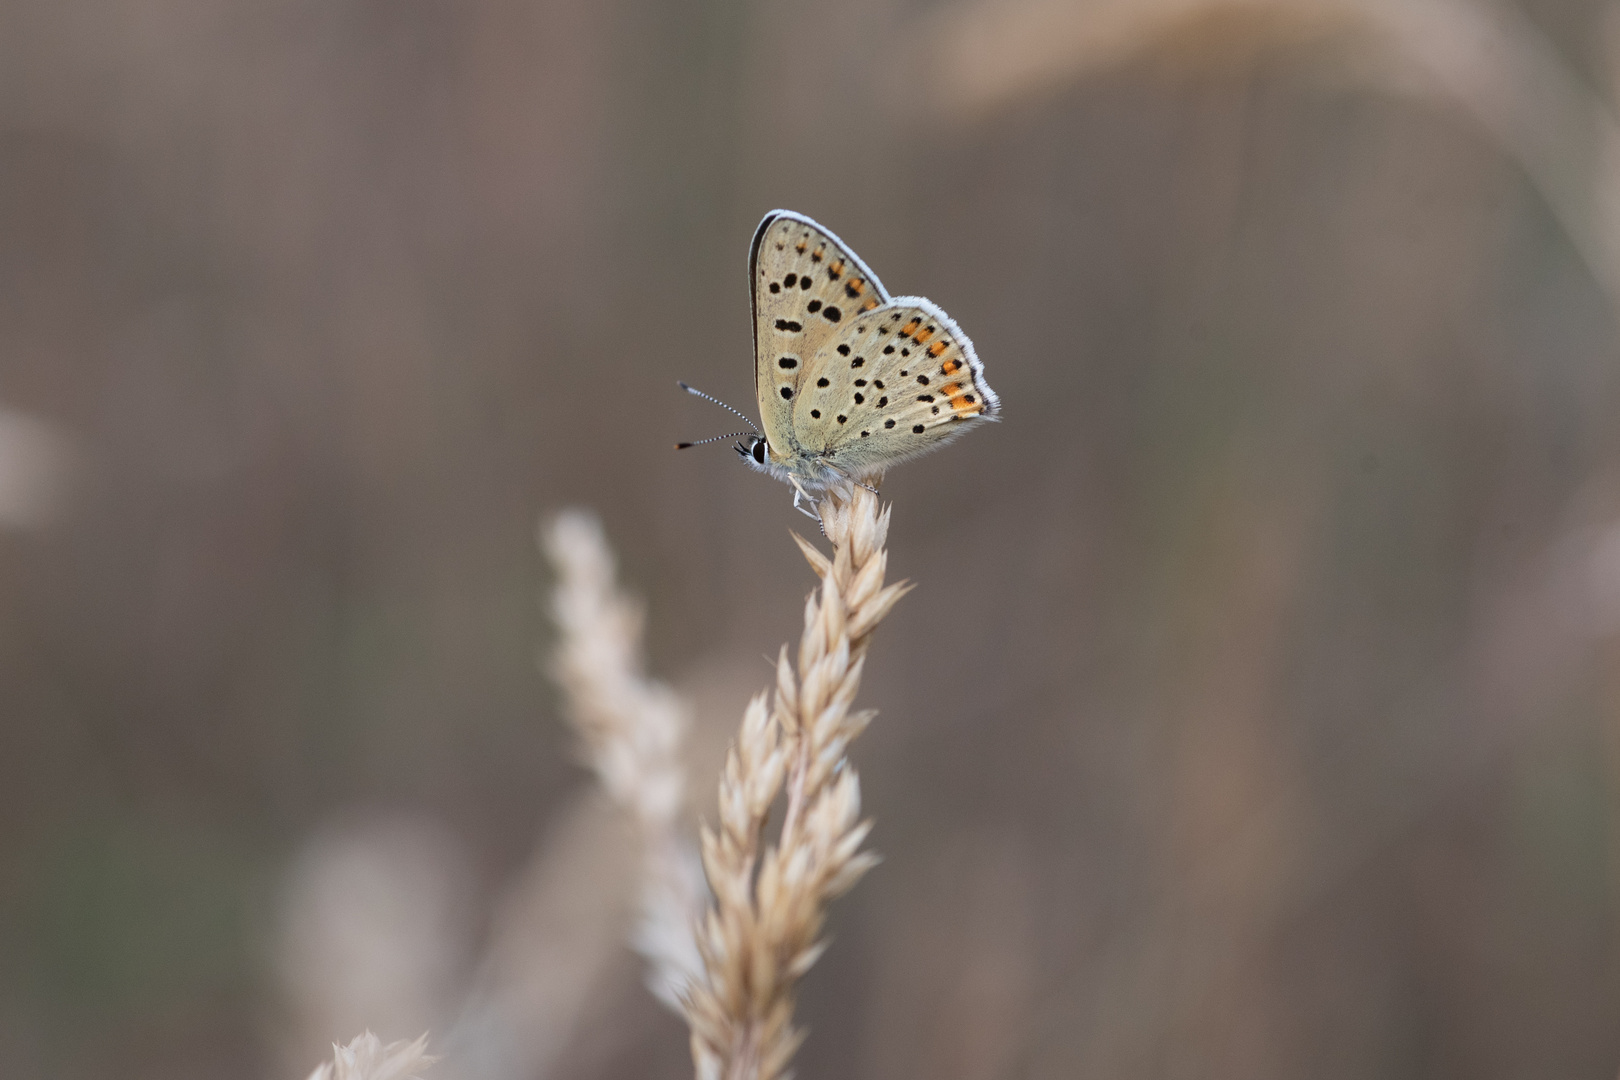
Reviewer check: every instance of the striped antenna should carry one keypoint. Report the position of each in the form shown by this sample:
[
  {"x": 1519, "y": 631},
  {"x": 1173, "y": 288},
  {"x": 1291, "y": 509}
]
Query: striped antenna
[
  {"x": 710, "y": 439},
  {"x": 723, "y": 405}
]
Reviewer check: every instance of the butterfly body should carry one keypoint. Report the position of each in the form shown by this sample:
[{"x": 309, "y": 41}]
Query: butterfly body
[{"x": 850, "y": 380}]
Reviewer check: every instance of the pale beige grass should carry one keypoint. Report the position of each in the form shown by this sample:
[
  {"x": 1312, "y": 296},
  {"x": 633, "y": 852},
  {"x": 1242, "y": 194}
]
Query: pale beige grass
[
  {"x": 1486, "y": 58},
  {"x": 732, "y": 966},
  {"x": 631, "y": 729},
  {"x": 366, "y": 1058},
  {"x": 764, "y": 930}
]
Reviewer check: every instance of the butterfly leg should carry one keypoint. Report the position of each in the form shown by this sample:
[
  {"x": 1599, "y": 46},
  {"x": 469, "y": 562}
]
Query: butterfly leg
[{"x": 798, "y": 494}]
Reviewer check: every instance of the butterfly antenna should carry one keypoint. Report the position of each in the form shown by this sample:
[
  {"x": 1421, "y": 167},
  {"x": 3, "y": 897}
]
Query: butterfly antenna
[
  {"x": 723, "y": 405},
  {"x": 710, "y": 439}
]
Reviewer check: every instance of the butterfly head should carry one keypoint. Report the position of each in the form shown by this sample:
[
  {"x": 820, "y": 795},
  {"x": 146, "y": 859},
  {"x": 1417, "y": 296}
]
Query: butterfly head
[
  {"x": 754, "y": 451},
  {"x": 805, "y": 472}
]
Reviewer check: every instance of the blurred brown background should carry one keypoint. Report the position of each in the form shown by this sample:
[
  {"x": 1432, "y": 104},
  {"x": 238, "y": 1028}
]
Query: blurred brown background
[{"x": 1257, "y": 714}]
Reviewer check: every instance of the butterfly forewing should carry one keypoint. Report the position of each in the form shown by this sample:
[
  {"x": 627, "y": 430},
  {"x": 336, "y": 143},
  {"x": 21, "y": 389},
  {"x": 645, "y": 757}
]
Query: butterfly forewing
[
  {"x": 808, "y": 289},
  {"x": 893, "y": 382}
]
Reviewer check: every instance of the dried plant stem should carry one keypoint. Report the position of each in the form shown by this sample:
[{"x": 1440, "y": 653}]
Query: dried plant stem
[{"x": 764, "y": 930}]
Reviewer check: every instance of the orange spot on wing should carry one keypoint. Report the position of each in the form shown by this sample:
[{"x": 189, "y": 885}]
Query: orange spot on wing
[
  {"x": 950, "y": 367},
  {"x": 910, "y": 328},
  {"x": 836, "y": 268},
  {"x": 951, "y": 389},
  {"x": 870, "y": 304},
  {"x": 815, "y": 256},
  {"x": 924, "y": 336},
  {"x": 935, "y": 349},
  {"x": 965, "y": 408}
]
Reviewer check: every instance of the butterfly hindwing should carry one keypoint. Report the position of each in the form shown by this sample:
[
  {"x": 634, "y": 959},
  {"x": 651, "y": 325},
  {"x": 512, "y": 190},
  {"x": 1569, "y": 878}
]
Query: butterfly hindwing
[
  {"x": 893, "y": 382},
  {"x": 808, "y": 287}
]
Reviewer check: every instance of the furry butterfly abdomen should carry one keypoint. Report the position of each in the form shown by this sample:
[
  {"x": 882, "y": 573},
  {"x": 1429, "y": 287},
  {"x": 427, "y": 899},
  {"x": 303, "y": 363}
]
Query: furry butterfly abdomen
[{"x": 850, "y": 380}]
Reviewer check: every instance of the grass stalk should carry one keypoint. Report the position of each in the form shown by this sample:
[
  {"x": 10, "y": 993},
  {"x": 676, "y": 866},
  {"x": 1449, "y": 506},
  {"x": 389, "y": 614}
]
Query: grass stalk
[{"x": 764, "y": 929}]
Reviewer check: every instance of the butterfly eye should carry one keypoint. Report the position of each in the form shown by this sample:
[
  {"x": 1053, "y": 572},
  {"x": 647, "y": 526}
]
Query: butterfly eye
[{"x": 759, "y": 451}]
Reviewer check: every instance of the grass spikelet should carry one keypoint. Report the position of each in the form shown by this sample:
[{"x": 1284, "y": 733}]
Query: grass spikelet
[
  {"x": 366, "y": 1058},
  {"x": 764, "y": 931},
  {"x": 631, "y": 728}
]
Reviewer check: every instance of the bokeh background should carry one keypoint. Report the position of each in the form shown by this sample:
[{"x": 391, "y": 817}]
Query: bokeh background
[{"x": 1257, "y": 713}]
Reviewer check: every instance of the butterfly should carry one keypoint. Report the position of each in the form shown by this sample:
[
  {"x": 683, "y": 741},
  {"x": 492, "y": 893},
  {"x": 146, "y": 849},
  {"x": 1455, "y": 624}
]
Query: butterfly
[{"x": 849, "y": 379}]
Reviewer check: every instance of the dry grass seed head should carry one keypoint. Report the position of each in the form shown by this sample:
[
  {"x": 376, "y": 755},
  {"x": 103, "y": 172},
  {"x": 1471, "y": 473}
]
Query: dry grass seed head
[{"x": 765, "y": 930}]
